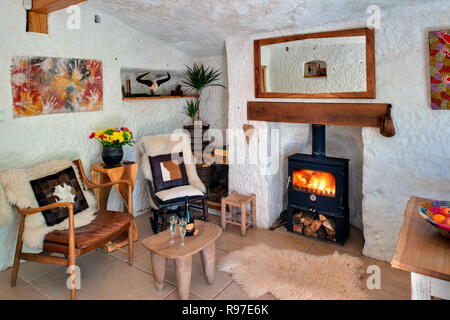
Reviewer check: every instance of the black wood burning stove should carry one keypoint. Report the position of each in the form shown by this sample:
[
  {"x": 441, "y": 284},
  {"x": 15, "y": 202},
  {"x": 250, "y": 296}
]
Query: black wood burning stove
[{"x": 318, "y": 190}]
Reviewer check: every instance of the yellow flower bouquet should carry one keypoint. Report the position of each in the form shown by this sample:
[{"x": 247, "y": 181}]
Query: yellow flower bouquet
[{"x": 113, "y": 137}]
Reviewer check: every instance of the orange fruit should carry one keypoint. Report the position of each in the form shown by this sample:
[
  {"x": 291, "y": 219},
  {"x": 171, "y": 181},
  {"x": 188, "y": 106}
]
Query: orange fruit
[
  {"x": 439, "y": 218},
  {"x": 447, "y": 221},
  {"x": 444, "y": 211}
]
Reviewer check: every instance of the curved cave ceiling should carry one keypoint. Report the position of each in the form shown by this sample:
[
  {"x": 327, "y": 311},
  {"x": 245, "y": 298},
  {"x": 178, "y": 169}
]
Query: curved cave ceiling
[{"x": 199, "y": 28}]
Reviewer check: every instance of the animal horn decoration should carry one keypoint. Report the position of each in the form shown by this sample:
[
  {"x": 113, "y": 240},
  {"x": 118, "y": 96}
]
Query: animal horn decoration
[{"x": 153, "y": 85}]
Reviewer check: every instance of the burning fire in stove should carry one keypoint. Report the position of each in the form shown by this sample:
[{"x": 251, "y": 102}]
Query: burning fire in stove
[{"x": 318, "y": 182}]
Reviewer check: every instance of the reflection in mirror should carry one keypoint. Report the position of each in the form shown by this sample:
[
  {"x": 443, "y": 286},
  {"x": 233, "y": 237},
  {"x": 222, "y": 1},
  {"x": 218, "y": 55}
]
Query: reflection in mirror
[{"x": 317, "y": 65}]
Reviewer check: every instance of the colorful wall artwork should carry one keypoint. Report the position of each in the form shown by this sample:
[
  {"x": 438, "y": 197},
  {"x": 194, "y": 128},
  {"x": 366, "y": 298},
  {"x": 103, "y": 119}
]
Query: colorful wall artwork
[
  {"x": 45, "y": 85},
  {"x": 440, "y": 69}
]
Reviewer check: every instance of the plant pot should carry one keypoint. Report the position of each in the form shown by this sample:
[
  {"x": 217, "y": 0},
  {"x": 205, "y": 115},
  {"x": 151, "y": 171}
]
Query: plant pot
[
  {"x": 112, "y": 155},
  {"x": 204, "y": 173},
  {"x": 201, "y": 142}
]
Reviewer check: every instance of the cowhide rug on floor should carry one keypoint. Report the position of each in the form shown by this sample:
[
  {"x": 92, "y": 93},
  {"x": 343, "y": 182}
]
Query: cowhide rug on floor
[{"x": 295, "y": 275}]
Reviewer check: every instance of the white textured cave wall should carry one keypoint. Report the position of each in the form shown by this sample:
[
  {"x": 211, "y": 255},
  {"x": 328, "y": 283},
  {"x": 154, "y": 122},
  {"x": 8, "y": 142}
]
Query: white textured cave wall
[
  {"x": 27, "y": 141},
  {"x": 345, "y": 73},
  {"x": 214, "y": 101},
  {"x": 243, "y": 177},
  {"x": 413, "y": 162}
]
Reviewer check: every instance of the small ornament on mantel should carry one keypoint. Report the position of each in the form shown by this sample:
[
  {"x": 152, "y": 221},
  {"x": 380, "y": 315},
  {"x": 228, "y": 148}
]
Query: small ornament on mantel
[
  {"x": 387, "y": 125},
  {"x": 177, "y": 91},
  {"x": 248, "y": 131}
]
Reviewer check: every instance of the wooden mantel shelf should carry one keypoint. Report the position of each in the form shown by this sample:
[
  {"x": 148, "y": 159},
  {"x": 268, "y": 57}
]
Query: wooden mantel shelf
[{"x": 340, "y": 114}]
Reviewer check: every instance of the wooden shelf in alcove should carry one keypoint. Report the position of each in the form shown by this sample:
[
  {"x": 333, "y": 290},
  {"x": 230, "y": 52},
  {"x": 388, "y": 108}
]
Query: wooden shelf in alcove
[
  {"x": 339, "y": 114},
  {"x": 158, "y": 97}
]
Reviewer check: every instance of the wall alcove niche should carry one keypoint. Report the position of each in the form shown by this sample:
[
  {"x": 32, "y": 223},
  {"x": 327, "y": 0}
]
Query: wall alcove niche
[{"x": 133, "y": 90}]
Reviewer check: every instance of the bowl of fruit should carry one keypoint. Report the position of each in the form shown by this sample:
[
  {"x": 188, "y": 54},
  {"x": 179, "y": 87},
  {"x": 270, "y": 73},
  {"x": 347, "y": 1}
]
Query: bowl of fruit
[{"x": 437, "y": 213}]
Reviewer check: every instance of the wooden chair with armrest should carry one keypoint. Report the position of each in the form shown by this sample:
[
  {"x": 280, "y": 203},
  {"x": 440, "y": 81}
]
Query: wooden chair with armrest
[{"x": 76, "y": 242}]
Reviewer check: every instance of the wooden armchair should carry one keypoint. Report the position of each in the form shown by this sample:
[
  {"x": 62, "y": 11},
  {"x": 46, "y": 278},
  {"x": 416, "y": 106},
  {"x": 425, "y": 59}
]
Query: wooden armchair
[{"x": 77, "y": 242}]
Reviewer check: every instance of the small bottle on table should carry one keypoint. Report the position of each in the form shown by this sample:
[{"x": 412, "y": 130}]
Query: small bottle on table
[{"x": 190, "y": 226}]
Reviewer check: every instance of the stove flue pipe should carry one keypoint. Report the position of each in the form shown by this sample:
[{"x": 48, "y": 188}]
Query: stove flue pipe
[{"x": 318, "y": 140}]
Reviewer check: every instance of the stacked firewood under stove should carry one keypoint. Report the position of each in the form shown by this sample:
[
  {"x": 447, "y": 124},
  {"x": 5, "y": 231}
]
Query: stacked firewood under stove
[{"x": 315, "y": 225}]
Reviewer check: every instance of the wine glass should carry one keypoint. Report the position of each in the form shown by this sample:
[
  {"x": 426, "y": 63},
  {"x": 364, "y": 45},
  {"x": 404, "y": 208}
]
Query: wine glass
[
  {"x": 173, "y": 227},
  {"x": 183, "y": 222}
]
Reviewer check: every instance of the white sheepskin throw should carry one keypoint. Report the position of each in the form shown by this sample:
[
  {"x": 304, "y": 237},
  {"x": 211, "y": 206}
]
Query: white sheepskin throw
[
  {"x": 15, "y": 190},
  {"x": 164, "y": 144},
  {"x": 294, "y": 275}
]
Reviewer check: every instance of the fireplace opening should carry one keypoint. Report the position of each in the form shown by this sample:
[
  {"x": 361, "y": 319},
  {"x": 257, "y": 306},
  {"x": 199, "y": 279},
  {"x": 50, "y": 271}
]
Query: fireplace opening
[
  {"x": 318, "y": 192},
  {"x": 312, "y": 181}
]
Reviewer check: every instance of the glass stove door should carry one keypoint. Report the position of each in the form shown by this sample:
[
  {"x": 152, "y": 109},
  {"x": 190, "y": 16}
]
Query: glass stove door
[{"x": 313, "y": 181}]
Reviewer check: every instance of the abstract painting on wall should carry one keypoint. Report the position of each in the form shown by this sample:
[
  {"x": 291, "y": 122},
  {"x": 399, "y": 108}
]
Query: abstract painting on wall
[
  {"x": 440, "y": 69},
  {"x": 46, "y": 85}
]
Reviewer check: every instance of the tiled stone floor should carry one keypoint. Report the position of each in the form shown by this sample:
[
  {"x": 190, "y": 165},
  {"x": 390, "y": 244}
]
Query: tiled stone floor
[{"x": 108, "y": 275}]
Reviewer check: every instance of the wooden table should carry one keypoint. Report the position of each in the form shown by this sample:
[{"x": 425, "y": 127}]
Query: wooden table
[
  {"x": 425, "y": 253},
  {"x": 103, "y": 175},
  {"x": 161, "y": 250}
]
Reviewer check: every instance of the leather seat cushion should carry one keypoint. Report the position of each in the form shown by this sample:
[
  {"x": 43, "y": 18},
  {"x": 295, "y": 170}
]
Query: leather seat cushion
[{"x": 106, "y": 224}]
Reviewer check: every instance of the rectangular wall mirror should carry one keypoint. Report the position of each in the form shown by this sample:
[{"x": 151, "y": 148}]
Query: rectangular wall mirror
[{"x": 336, "y": 64}]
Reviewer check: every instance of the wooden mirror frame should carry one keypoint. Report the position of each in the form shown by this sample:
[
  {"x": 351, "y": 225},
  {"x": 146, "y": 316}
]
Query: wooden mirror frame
[{"x": 370, "y": 65}]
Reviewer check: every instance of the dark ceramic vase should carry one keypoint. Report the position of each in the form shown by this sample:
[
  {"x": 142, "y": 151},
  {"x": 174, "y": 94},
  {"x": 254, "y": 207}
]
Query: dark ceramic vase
[{"x": 112, "y": 155}]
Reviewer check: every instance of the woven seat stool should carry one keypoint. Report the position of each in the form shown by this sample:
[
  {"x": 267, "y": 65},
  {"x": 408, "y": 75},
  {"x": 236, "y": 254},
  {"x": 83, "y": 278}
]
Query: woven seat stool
[{"x": 235, "y": 201}]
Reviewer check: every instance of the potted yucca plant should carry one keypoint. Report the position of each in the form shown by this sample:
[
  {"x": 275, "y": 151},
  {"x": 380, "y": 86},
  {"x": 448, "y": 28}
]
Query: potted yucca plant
[
  {"x": 191, "y": 109},
  {"x": 197, "y": 79}
]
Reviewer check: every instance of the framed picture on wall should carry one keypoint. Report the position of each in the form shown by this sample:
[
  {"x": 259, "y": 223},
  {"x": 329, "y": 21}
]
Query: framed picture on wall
[
  {"x": 46, "y": 85},
  {"x": 315, "y": 69},
  {"x": 439, "y": 41}
]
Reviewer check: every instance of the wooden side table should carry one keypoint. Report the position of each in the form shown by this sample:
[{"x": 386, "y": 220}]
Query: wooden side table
[
  {"x": 425, "y": 253},
  {"x": 161, "y": 250},
  {"x": 103, "y": 175},
  {"x": 236, "y": 200}
]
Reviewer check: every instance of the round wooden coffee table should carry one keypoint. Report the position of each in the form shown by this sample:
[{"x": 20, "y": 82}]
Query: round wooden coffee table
[{"x": 161, "y": 250}]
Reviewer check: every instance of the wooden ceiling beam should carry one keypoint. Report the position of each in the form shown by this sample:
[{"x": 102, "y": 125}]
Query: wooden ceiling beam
[
  {"x": 37, "y": 16},
  {"x": 37, "y": 22},
  {"x": 47, "y": 6}
]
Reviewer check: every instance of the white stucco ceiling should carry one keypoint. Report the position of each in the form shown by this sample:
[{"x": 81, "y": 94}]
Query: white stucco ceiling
[{"x": 199, "y": 27}]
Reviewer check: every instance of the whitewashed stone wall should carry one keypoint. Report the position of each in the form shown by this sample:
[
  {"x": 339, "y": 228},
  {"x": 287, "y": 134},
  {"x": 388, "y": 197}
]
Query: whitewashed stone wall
[
  {"x": 413, "y": 162},
  {"x": 214, "y": 101}
]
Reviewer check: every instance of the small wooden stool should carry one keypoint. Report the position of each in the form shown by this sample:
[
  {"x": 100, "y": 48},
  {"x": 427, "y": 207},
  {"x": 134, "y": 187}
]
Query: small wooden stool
[{"x": 236, "y": 200}]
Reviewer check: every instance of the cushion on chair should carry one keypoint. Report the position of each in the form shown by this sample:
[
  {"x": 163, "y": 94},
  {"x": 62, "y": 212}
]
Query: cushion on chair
[
  {"x": 106, "y": 224},
  {"x": 18, "y": 192},
  {"x": 178, "y": 192},
  {"x": 51, "y": 189},
  {"x": 168, "y": 171},
  {"x": 167, "y": 143}
]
